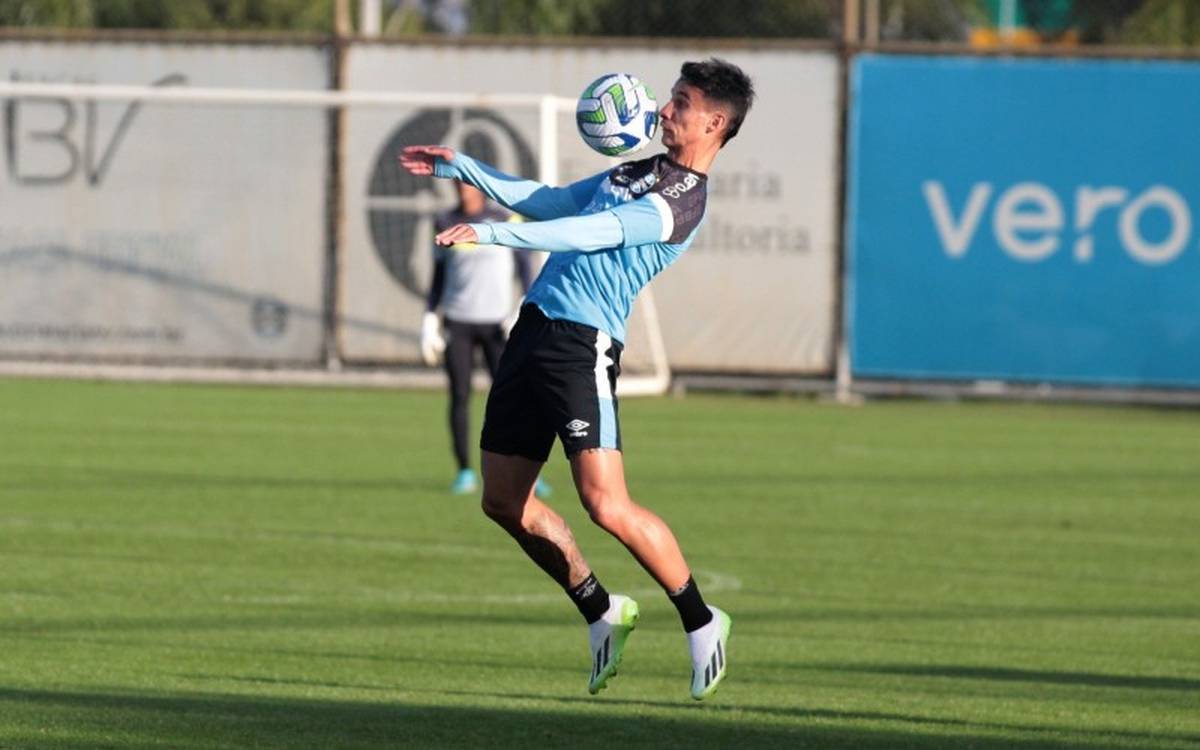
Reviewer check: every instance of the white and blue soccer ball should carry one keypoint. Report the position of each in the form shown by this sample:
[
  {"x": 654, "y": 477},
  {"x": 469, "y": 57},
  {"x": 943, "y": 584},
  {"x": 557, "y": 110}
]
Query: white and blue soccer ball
[{"x": 617, "y": 114}]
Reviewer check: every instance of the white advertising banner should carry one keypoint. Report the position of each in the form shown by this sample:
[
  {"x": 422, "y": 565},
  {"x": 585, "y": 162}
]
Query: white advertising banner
[
  {"x": 162, "y": 232},
  {"x": 754, "y": 293}
]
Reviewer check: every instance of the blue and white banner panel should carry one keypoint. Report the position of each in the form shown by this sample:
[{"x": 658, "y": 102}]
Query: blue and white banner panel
[{"x": 1028, "y": 220}]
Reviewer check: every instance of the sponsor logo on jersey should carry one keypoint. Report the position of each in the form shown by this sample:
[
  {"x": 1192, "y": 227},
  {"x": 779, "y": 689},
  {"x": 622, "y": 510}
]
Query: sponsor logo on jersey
[
  {"x": 627, "y": 182},
  {"x": 611, "y": 193},
  {"x": 637, "y": 187},
  {"x": 679, "y": 188}
]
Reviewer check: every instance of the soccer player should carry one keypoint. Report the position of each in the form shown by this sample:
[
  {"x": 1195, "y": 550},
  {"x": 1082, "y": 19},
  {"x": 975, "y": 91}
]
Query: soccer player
[
  {"x": 472, "y": 286},
  {"x": 608, "y": 235}
]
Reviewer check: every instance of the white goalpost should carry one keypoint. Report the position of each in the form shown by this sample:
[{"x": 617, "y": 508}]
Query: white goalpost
[{"x": 230, "y": 262}]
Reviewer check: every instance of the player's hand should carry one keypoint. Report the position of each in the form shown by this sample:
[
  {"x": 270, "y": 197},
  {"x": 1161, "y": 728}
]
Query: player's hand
[
  {"x": 432, "y": 343},
  {"x": 456, "y": 234},
  {"x": 419, "y": 160}
]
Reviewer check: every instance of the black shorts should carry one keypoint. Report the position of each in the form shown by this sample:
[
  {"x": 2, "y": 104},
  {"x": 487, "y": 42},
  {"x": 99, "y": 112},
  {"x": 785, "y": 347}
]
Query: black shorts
[{"x": 555, "y": 378}]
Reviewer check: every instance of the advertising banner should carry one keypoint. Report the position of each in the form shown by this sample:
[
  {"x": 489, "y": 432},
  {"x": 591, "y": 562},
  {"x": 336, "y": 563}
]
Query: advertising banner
[
  {"x": 754, "y": 293},
  {"x": 1031, "y": 220},
  {"x": 162, "y": 232}
]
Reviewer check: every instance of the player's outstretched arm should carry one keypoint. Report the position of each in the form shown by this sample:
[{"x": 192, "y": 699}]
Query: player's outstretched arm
[
  {"x": 640, "y": 222},
  {"x": 529, "y": 198}
]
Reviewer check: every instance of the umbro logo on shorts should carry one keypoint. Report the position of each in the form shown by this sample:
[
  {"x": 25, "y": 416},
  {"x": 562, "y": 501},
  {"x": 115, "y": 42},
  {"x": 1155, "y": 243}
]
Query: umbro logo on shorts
[{"x": 578, "y": 428}]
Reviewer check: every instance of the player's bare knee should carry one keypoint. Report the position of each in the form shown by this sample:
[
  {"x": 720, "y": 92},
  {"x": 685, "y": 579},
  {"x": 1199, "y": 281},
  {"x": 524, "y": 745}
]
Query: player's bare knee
[
  {"x": 501, "y": 510},
  {"x": 606, "y": 510}
]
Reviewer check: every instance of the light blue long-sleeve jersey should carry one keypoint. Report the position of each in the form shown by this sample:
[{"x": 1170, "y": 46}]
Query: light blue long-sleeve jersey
[{"x": 608, "y": 234}]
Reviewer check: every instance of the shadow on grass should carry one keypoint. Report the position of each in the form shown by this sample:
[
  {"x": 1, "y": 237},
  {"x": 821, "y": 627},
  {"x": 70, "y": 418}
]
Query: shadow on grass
[
  {"x": 392, "y": 657},
  {"x": 801, "y": 475},
  {"x": 1007, "y": 674},
  {"x": 285, "y": 619},
  {"x": 1100, "y": 736},
  {"x": 52, "y": 478},
  {"x": 303, "y": 616},
  {"x": 966, "y": 613},
  {"x": 78, "y": 719}
]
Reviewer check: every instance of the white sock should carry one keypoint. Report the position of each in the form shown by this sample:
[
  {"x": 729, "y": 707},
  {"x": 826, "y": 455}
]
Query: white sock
[
  {"x": 700, "y": 640},
  {"x": 611, "y": 616}
]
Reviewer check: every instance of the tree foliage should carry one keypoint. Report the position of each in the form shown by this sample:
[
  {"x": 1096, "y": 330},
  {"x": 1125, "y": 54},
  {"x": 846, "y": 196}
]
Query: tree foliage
[
  {"x": 1155, "y": 23},
  {"x": 678, "y": 18},
  {"x": 295, "y": 15},
  {"x": 1165, "y": 23},
  {"x": 929, "y": 20}
]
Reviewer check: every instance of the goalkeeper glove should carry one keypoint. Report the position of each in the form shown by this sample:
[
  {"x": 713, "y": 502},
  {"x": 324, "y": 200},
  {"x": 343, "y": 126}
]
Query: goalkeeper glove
[{"x": 432, "y": 343}]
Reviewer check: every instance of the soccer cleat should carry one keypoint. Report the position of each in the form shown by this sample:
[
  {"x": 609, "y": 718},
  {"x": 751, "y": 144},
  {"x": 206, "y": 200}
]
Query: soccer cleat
[
  {"x": 542, "y": 489},
  {"x": 607, "y": 638},
  {"x": 708, "y": 646},
  {"x": 465, "y": 483}
]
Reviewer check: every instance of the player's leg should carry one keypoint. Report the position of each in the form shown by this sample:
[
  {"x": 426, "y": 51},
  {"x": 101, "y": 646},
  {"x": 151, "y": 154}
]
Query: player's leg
[
  {"x": 509, "y": 500},
  {"x": 491, "y": 340},
  {"x": 600, "y": 478},
  {"x": 516, "y": 442},
  {"x": 459, "y": 363},
  {"x": 584, "y": 401}
]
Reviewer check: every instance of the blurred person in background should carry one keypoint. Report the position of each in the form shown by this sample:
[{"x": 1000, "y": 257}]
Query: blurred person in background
[{"x": 473, "y": 287}]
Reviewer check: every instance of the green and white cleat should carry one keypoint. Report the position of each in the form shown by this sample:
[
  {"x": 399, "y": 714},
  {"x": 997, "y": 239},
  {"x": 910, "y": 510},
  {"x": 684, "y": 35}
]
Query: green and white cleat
[
  {"x": 708, "y": 646},
  {"x": 607, "y": 638}
]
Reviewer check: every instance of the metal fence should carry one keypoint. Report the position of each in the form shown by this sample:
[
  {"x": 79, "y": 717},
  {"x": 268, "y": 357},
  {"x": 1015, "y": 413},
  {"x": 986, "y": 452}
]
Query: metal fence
[
  {"x": 250, "y": 320},
  {"x": 981, "y": 23},
  {"x": 1166, "y": 24}
]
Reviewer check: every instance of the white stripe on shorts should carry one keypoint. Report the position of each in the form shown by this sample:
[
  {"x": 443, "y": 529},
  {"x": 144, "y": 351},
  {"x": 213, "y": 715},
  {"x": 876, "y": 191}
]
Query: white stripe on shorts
[{"x": 604, "y": 394}]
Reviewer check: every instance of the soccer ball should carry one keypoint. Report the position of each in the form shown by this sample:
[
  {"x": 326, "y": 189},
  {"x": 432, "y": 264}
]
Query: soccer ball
[{"x": 617, "y": 114}]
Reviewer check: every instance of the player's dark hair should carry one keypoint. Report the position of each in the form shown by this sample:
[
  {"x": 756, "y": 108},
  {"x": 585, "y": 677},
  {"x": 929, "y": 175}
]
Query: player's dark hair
[{"x": 724, "y": 83}]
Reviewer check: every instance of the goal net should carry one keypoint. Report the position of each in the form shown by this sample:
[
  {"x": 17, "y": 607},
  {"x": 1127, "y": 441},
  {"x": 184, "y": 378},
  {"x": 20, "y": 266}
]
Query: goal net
[{"x": 177, "y": 224}]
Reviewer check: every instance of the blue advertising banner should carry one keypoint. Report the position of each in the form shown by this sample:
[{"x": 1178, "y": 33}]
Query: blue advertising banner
[{"x": 1029, "y": 220}]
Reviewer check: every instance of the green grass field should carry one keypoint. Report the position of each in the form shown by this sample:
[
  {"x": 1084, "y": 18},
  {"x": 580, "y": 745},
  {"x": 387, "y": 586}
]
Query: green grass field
[{"x": 191, "y": 567}]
